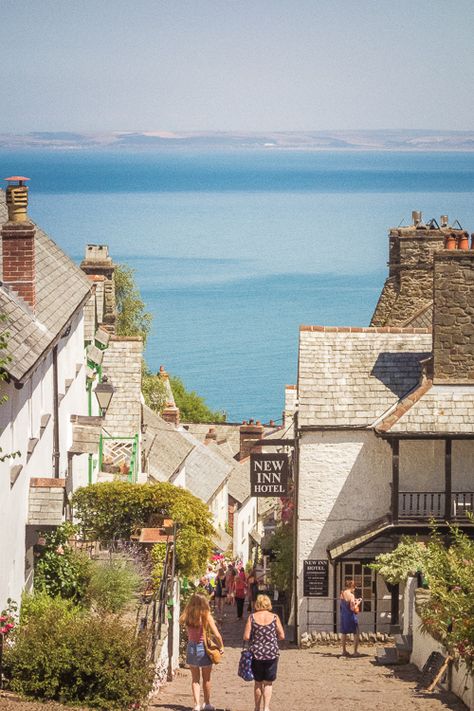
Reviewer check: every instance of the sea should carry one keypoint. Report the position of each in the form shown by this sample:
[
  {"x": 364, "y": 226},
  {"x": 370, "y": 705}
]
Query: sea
[{"x": 233, "y": 250}]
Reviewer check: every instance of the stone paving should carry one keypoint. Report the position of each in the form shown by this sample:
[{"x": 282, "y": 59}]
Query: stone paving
[{"x": 316, "y": 679}]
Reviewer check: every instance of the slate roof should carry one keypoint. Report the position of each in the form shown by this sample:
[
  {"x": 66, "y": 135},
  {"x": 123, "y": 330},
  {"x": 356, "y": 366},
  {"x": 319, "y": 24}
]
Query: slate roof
[
  {"x": 444, "y": 409},
  {"x": 164, "y": 446},
  {"x": 206, "y": 470},
  {"x": 239, "y": 481},
  {"x": 60, "y": 289},
  {"x": 350, "y": 377}
]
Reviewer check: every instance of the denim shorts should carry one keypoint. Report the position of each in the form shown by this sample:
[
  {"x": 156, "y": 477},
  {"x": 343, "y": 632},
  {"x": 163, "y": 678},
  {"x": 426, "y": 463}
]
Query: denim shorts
[{"x": 196, "y": 655}]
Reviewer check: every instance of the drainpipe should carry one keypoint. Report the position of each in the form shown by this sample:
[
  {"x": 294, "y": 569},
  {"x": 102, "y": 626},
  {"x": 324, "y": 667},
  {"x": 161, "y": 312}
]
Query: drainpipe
[
  {"x": 296, "y": 527},
  {"x": 89, "y": 412},
  {"x": 56, "y": 452}
]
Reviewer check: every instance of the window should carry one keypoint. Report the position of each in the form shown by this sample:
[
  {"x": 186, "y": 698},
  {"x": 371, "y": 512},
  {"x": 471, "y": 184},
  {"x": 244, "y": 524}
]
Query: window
[{"x": 364, "y": 578}]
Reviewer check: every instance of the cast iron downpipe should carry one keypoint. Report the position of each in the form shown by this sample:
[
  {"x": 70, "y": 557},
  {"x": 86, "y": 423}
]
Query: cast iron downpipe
[{"x": 56, "y": 452}]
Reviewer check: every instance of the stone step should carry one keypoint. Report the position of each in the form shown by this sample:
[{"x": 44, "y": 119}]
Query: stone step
[
  {"x": 386, "y": 656},
  {"x": 404, "y": 646}
]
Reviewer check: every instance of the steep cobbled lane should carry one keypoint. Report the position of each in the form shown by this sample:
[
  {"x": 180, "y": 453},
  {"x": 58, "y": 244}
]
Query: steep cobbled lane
[{"x": 316, "y": 679}]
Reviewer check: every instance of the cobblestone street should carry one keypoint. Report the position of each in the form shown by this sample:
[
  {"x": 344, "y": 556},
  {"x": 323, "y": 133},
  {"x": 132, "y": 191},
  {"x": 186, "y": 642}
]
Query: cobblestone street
[{"x": 317, "y": 679}]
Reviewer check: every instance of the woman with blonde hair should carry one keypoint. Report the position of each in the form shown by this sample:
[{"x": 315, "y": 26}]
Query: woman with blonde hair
[
  {"x": 262, "y": 631},
  {"x": 197, "y": 618}
]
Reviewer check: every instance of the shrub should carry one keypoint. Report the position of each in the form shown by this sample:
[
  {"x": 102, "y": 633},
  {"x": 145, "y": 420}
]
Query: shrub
[
  {"x": 61, "y": 570},
  {"x": 74, "y": 657},
  {"x": 112, "y": 510},
  {"x": 112, "y": 586},
  {"x": 281, "y": 568}
]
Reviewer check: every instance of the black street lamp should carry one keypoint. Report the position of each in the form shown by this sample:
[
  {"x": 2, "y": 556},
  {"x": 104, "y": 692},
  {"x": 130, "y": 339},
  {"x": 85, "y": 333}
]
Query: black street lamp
[{"x": 104, "y": 392}]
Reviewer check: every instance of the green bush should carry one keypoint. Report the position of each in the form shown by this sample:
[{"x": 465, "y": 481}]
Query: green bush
[
  {"x": 61, "y": 570},
  {"x": 36, "y": 605},
  {"x": 113, "y": 510},
  {"x": 78, "y": 658},
  {"x": 112, "y": 586}
]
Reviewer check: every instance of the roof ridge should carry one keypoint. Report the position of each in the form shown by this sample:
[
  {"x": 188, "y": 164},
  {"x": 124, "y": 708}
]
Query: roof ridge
[
  {"x": 404, "y": 404},
  {"x": 364, "y": 329}
]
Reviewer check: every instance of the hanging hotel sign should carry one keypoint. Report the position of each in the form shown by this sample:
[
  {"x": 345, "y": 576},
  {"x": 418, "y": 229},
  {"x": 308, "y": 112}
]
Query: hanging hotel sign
[
  {"x": 315, "y": 578},
  {"x": 269, "y": 474}
]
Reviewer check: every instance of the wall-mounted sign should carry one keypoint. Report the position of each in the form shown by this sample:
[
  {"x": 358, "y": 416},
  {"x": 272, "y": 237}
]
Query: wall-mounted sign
[
  {"x": 269, "y": 474},
  {"x": 315, "y": 578}
]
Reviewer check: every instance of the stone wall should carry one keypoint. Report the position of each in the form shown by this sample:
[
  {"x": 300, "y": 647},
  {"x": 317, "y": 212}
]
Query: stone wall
[
  {"x": 46, "y": 502},
  {"x": 409, "y": 286},
  {"x": 122, "y": 364},
  {"x": 453, "y": 327}
]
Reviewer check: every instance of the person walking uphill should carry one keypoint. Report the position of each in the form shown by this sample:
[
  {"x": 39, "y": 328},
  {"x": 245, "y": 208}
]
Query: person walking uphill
[
  {"x": 263, "y": 630},
  {"x": 197, "y": 618}
]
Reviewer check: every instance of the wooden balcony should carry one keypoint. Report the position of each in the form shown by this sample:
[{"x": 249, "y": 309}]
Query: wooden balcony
[{"x": 426, "y": 505}]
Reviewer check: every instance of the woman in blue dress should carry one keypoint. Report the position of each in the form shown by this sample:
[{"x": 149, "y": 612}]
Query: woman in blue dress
[{"x": 349, "y": 622}]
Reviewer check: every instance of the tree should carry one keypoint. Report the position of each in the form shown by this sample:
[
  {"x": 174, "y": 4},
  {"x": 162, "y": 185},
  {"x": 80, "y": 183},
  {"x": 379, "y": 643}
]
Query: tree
[
  {"x": 153, "y": 389},
  {"x": 281, "y": 568},
  {"x": 448, "y": 568},
  {"x": 112, "y": 510},
  {"x": 192, "y": 407},
  {"x": 132, "y": 319}
]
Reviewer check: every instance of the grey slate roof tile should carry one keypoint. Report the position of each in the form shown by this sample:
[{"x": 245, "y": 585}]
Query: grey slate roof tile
[
  {"x": 443, "y": 409},
  {"x": 60, "y": 288},
  {"x": 352, "y": 378}
]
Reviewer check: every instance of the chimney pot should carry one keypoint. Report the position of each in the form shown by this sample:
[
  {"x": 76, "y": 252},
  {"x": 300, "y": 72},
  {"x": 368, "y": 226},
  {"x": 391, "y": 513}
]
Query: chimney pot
[
  {"x": 17, "y": 198},
  {"x": 416, "y": 217},
  {"x": 18, "y": 243}
]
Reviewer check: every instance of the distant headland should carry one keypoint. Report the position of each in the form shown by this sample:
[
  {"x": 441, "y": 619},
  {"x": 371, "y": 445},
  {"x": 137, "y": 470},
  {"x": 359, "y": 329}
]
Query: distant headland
[{"x": 357, "y": 140}]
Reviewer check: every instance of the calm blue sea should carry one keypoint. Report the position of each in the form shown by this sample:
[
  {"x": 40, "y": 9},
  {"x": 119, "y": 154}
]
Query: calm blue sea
[{"x": 233, "y": 251}]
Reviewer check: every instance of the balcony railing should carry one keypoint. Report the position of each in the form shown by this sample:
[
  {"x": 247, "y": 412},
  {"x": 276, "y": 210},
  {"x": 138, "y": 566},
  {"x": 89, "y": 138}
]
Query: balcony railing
[
  {"x": 432, "y": 505},
  {"x": 421, "y": 504},
  {"x": 462, "y": 504}
]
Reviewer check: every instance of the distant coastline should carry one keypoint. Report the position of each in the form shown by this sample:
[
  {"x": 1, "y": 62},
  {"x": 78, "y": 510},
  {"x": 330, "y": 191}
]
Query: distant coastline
[{"x": 380, "y": 140}]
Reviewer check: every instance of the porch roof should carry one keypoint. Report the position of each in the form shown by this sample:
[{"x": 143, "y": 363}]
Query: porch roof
[{"x": 443, "y": 409}]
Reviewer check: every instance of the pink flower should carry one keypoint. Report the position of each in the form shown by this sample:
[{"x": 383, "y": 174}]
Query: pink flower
[
  {"x": 9, "y": 626},
  {"x": 3, "y": 618},
  {"x": 3, "y": 630}
]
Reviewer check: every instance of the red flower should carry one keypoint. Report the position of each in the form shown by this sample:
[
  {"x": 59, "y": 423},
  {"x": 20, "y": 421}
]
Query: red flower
[
  {"x": 3, "y": 630},
  {"x": 3, "y": 618}
]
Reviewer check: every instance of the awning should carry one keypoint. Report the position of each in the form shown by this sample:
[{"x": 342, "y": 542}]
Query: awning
[
  {"x": 357, "y": 539},
  {"x": 222, "y": 540}
]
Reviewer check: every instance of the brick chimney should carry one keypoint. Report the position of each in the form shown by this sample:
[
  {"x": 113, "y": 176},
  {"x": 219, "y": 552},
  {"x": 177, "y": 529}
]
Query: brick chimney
[
  {"x": 409, "y": 286},
  {"x": 211, "y": 436},
  {"x": 18, "y": 243},
  {"x": 249, "y": 434},
  {"x": 453, "y": 320},
  {"x": 170, "y": 413}
]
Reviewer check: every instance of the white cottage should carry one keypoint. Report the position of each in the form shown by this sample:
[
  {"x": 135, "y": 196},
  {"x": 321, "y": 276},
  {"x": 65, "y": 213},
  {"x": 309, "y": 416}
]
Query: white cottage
[
  {"x": 385, "y": 431},
  {"x": 42, "y": 297}
]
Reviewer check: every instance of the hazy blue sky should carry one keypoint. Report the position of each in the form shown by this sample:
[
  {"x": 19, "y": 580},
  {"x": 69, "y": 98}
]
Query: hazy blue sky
[{"x": 236, "y": 64}]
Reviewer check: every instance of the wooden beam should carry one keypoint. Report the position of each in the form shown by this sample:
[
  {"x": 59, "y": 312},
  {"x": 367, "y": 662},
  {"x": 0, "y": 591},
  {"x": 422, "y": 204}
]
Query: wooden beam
[
  {"x": 448, "y": 484},
  {"x": 395, "y": 444}
]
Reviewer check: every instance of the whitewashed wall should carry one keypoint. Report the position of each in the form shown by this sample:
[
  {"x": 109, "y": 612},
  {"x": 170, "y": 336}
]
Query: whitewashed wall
[
  {"x": 344, "y": 484},
  {"x": 218, "y": 506},
  {"x": 20, "y": 419},
  {"x": 421, "y": 465},
  {"x": 461, "y": 681},
  {"x": 245, "y": 519}
]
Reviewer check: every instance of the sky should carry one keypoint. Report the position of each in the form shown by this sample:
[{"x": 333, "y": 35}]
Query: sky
[{"x": 236, "y": 65}]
